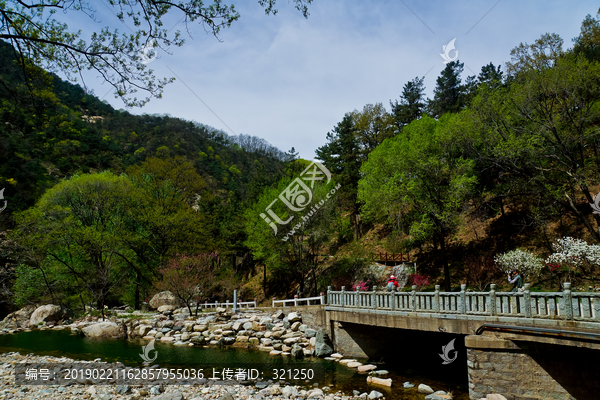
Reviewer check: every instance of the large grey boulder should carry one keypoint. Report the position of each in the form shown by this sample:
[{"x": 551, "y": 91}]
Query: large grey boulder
[
  {"x": 47, "y": 313},
  {"x": 103, "y": 330},
  {"x": 18, "y": 319},
  {"x": 323, "y": 345},
  {"x": 165, "y": 298},
  {"x": 297, "y": 351},
  {"x": 294, "y": 317}
]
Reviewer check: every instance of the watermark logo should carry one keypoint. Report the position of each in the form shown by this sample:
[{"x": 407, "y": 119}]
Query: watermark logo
[
  {"x": 2, "y": 198},
  {"x": 149, "y": 53},
  {"x": 447, "y": 49},
  {"x": 298, "y": 195},
  {"x": 596, "y": 204},
  {"x": 147, "y": 349},
  {"x": 446, "y": 352}
]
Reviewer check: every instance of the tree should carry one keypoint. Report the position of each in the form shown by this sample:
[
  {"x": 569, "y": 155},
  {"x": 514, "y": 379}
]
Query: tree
[
  {"x": 524, "y": 261},
  {"x": 290, "y": 248},
  {"x": 78, "y": 225},
  {"x": 490, "y": 75},
  {"x": 448, "y": 92},
  {"x": 575, "y": 254},
  {"x": 421, "y": 181},
  {"x": 39, "y": 38},
  {"x": 412, "y": 103},
  {"x": 538, "y": 137},
  {"x": 341, "y": 155},
  {"x": 588, "y": 41},
  {"x": 372, "y": 126},
  {"x": 538, "y": 56},
  {"x": 189, "y": 277}
]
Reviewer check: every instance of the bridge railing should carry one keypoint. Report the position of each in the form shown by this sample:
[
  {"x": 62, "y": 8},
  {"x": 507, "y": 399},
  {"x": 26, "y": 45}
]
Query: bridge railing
[
  {"x": 298, "y": 301},
  {"x": 555, "y": 305}
]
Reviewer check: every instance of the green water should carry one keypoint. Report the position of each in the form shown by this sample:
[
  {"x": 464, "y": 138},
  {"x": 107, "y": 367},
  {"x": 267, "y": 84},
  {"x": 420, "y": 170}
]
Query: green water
[{"x": 338, "y": 377}]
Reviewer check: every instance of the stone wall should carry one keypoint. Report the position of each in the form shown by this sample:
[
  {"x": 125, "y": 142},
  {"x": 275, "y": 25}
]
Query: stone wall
[
  {"x": 530, "y": 371},
  {"x": 313, "y": 316}
]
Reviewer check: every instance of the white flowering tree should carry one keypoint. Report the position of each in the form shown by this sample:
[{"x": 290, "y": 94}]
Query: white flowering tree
[
  {"x": 524, "y": 261},
  {"x": 575, "y": 255}
]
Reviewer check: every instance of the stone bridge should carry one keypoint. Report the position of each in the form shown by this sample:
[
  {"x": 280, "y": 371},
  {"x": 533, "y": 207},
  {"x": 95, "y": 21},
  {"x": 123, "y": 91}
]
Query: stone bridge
[{"x": 524, "y": 345}]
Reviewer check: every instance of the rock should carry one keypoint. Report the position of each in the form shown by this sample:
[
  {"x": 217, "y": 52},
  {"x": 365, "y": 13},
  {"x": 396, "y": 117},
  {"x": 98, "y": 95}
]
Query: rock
[
  {"x": 323, "y": 346},
  {"x": 495, "y": 397},
  {"x": 337, "y": 355},
  {"x": 226, "y": 340},
  {"x": 167, "y": 339},
  {"x": 366, "y": 368},
  {"x": 294, "y": 327},
  {"x": 310, "y": 333},
  {"x": 354, "y": 364},
  {"x": 166, "y": 308},
  {"x": 275, "y": 352},
  {"x": 291, "y": 340},
  {"x": 374, "y": 395},
  {"x": 47, "y": 313},
  {"x": 18, "y": 319},
  {"x": 289, "y": 392},
  {"x": 176, "y": 395},
  {"x": 226, "y": 396},
  {"x": 198, "y": 339},
  {"x": 275, "y": 390},
  {"x": 347, "y": 360},
  {"x": 303, "y": 328},
  {"x": 286, "y": 323},
  {"x": 278, "y": 315},
  {"x": 382, "y": 372},
  {"x": 408, "y": 385},
  {"x": 293, "y": 317},
  {"x": 200, "y": 327},
  {"x": 439, "y": 395},
  {"x": 424, "y": 389},
  {"x": 379, "y": 381},
  {"x": 123, "y": 389},
  {"x": 143, "y": 330},
  {"x": 297, "y": 351},
  {"x": 247, "y": 326},
  {"x": 185, "y": 336},
  {"x": 236, "y": 326},
  {"x": 308, "y": 352},
  {"x": 242, "y": 339},
  {"x": 165, "y": 298},
  {"x": 314, "y": 393},
  {"x": 103, "y": 330}
]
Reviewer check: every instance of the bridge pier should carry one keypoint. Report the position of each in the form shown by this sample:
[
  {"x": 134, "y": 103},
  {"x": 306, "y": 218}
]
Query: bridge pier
[{"x": 522, "y": 370}]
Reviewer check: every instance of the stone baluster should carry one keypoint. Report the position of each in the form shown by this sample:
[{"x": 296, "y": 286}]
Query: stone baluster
[
  {"x": 357, "y": 296},
  {"x": 567, "y": 303},
  {"x": 413, "y": 298},
  {"x": 526, "y": 300},
  {"x": 374, "y": 297},
  {"x": 328, "y": 298},
  {"x": 342, "y": 296},
  {"x": 462, "y": 300},
  {"x": 393, "y": 298},
  {"x": 492, "y": 300},
  {"x": 436, "y": 299}
]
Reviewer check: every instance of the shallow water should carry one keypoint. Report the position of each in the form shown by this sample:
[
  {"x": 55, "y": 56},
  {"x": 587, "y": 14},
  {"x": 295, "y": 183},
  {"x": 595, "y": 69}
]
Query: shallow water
[{"x": 327, "y": 373}]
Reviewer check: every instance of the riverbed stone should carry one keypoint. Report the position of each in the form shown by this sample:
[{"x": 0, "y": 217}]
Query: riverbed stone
[
  {"x": 294, "y": 327},
  {"x": 46, "y": 313},
  {"x": 103, "y": 330},
  {"x": 293, "y": 317},
  {"x": 495, "y": 396},
  {"x": 374, "y": 395},
  {"x": 323, "y": 346},
  {"x": 200, "y": 327},
  {"x": 18, "y": 319},
  {"x": 297, "y": 351},
  {"x": 198, "y": 339},
  {"x": 166, "y": 308},
  {"x": 289, "y": 392},
  {"x": 176, "y": 395},
  {"x": 366, "y": 368},
  {"x": 439, "y": 395},
  {"x": 165, "y": 298},
  {"x": 422, "y": 388},
  {"x": 279, "y": 314}
]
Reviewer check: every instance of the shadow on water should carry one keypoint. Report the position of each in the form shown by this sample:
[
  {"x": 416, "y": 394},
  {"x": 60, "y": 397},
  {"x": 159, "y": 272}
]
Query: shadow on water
[{"x": 327, "y": 373}]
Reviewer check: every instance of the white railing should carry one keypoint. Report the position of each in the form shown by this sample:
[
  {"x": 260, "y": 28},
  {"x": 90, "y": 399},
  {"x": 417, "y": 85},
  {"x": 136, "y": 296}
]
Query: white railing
[
  {"x": 564, "y": 305},
  {"x": 227, "y": 304},
  {"x": 295, "y": 301}
]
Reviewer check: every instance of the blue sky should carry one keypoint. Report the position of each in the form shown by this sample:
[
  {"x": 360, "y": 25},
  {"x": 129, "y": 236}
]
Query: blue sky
[{"x": 290, "y": 80}]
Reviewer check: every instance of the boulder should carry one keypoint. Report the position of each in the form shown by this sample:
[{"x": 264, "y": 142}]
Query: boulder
[
  {"x": 439, "y": 395},
  {"x": 289, "y": 392},
  {"x": 166, "y": 308},
  {"x": 18, "y": 319},
  {"x": 294, "y": 317},
  {"x": 379, "y": 381},
  {"x": 165, "y": 298},
  {"x": 103, "y": 330},
  {"x": 295, "y": 326},
  {"x": 366, "y": 368},
  {"x": 47, "y": 313},
  {"x": 297, "y": 351},
  {"x": 225, "y": 340},
  {"x": 278, "y": 315},
  {"x": 198, "y": 339},
  {"x": 495, "y": 396},
  {"x": 374, "y": 395},
  {"x": 323, "y": 345},
  {"x": 424, "y": 389},
  {"x": 314, "y": 393}
]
